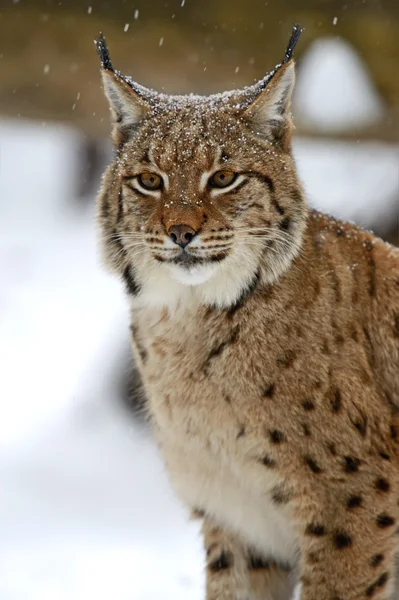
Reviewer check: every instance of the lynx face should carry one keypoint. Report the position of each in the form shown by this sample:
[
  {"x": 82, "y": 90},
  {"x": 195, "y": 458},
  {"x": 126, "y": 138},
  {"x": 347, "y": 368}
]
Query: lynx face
[{"x": 202, "y": 189}]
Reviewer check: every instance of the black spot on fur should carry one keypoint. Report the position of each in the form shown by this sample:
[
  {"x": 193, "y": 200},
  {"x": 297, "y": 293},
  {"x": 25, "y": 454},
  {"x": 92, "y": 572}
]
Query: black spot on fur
[
  {"x": 394, "y": 432},
  {"x": 285, "y": 224},
  {"x": 354, "y": 501},
  {"x": 269, "y": 391},
  {"x": 248, "y": 291},
  {"x": 381, "y": 581},
  {"x": 351, "y": 465},
  {"x": 331, "y": 448},
  {"x": 268, "y": 462},
  {"x": 336, "y": 401},
  {"x": 315, "y": 530},
  {"x": 255, "y": 563},
  {"x": 223, "y": 562},
  {"x": 280, "y": 494},
  {"x": 241, "y": 432},
  {"x": 306, "y": 430},
  {"x": 361, "y": 425},
  {"x": 383, "y": 521},
  {"x": 312, "y": 464},
  {"x": 218, "y": 350},
  {"x": 371, "y": 590},
  {"x": 308, "y": 405},
  {"x": 382, "y": 485},
  {"x": 132, "y": 287},
  {"x": 217, "y": 257},
  {"x": 342, "y": 540},
  {"x": 120, "y": 206},
  {"x": 376, "y": 560},
  {"x": 384, "y": 455},
  {"x": 276, "y": 436}
]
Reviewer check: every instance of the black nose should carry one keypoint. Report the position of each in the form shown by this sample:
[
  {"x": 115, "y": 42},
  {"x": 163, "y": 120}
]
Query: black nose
[{"x": 181, "y": 234}]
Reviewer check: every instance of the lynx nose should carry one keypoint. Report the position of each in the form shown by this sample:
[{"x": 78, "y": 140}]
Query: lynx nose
[{"x": 181, "y": 234}]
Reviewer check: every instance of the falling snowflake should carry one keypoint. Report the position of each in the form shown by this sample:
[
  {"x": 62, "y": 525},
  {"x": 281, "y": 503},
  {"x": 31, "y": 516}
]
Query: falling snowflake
[
  {"x": 126, "y": 27},
  {"x": 136, "y": 14},
  {"x": 89, "y": 10},
  {"x": 335, "y": 20},
  {"x": 46, "y": 69},
  {"x": 161, "y": 41}
]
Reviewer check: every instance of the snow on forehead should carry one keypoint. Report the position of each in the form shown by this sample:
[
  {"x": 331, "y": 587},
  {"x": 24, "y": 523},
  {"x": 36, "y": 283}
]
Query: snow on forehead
[{"x": 229, "y": 100}]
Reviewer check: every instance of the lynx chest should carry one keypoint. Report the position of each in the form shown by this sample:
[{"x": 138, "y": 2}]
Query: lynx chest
[{"x": 198, "y": 388}]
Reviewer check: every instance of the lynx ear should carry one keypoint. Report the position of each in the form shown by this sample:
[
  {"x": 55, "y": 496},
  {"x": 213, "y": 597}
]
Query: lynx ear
[
  {"x": 269, "y": 111},
  {"x": 128, "y": 105}
]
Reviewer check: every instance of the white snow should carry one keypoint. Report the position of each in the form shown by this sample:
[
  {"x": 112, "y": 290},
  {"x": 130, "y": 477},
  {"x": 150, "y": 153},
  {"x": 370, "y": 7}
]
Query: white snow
[
  {"x": 334, "y": 91},
  {"x": 355, "y": 182}
]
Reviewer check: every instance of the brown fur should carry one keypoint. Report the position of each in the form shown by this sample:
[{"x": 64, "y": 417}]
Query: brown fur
[{"x": 273, "y": 385}]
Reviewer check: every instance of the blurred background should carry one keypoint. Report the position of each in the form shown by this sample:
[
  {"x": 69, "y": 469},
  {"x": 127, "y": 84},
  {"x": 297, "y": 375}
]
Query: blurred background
[{"x": 85, "y": 507}]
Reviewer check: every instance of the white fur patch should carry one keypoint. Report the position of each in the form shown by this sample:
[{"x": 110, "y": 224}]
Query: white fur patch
[
  {"x": 241, "y": 501},
  {"x": 194, "y": 275}
]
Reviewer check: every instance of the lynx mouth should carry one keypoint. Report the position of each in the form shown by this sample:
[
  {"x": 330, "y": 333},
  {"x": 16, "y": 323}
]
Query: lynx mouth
[{"x": 188, "y": 260}]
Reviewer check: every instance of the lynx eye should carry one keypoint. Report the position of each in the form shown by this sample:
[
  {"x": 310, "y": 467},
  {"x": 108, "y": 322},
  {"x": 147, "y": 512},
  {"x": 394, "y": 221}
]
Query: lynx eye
[
  {"x": 222, "y": 179},
  {"x": 150, "y": 181}
]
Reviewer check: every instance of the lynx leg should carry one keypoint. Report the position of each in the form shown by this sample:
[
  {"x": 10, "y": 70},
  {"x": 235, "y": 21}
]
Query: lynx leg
[{"x": 236, "y": 573}]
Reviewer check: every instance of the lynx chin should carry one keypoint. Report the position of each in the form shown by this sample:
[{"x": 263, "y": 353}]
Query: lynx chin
[{"x": 267, "y": 339}]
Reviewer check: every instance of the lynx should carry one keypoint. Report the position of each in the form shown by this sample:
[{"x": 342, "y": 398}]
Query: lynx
[{"x": 267, "y": 339}]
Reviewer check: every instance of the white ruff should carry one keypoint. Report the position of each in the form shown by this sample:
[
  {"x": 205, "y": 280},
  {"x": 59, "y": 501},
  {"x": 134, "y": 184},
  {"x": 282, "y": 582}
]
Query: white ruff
[{"x": 194, "y": 275}]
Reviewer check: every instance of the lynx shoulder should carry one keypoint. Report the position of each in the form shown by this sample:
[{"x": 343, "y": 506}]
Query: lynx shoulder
[{"x": 267, "y": 338}]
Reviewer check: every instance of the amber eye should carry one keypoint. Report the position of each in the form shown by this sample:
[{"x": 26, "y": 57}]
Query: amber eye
[
  {"x": 222, "y": 179},
  {"x": 150, "y": 181}
]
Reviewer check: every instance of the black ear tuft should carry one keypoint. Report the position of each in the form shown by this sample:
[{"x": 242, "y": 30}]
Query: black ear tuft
[
  {"x": 295, "y": 35},
  {"x": 103, "y": 53}
]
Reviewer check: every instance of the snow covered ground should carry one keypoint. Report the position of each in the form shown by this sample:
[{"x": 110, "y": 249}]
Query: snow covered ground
[{"x": 85, "y": 507}]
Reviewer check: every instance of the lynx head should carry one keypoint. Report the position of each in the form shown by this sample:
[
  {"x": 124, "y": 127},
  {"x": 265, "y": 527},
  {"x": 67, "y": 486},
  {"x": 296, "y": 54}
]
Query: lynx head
[{"x": 202, "y": 198}]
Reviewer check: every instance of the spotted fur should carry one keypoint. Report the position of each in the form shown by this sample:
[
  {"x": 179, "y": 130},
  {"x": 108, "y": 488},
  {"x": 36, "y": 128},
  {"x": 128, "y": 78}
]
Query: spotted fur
[{"x": 268, "y": 346}]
